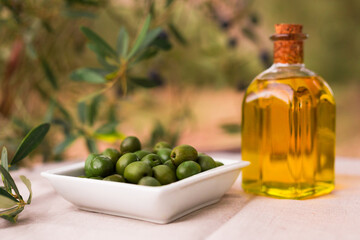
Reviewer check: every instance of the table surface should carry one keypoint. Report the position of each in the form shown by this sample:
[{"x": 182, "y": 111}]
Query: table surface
[{"x": 237, "y": 216}]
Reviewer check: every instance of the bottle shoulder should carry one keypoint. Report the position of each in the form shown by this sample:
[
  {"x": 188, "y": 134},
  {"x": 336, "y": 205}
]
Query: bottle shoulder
[
  {"x": 278, "y": 71},
  {"x": 289, "y": 87}
]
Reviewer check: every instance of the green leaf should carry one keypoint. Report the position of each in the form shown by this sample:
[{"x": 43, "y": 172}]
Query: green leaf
[
  {"x": 102, "y": 60},
  {"x": 162, "y": 43},
  {"x": 66, "y": 127},
  {"x": 50, "y": 111},
  {"x": 6, "y": 202},
  {"x": 10, "y": 180},
  {"x": 30, "y": 142},
  {"x": 4, "y": 193},
  {"x": 231, "y": 128},
  {"x": 177, "y": 34},
  {"x": 144, "y": 82},
  {"x": 11, "y": 214},
  {"x": 107, "y": 128},
  {"x": 4, "y": 159},
  {"x": 148, "y": 53},
  {"x": 150, "y": 37},
  {"x": 112, "y": 114},
  {"x": 139, "y": 40},
  {"x": 86, "y": 75},
  {"x": 30, "y": 50},
  {"x": 21, "y": 124},
  {"x": 81, "y": 109},
  {"x": 65, "y": 144},
  {"x": 50, "y": 76},
  {"x": 28, "y": 185},
  {"x": 5, "y": 164},
  {"x": 122, "y": 43},
  {"x": 92, "y": 110},
  {"x": 99, "y": 46},
  {"x": 91, "y": 145},
  {"x": 152, "y": 9}
]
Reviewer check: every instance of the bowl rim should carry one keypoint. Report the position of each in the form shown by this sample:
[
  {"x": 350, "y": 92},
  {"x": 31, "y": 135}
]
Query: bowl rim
[{"x": 230, "y": 165}]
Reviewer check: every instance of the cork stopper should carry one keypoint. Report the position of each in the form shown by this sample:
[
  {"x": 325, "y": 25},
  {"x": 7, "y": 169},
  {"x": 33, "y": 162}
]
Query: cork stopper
[
  {"x": 288, "y": 43},
  {"x": 284, "y": 28}
]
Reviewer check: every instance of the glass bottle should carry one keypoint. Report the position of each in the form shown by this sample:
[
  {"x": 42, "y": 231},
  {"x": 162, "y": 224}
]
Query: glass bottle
[{"x": 288, "y": 125}]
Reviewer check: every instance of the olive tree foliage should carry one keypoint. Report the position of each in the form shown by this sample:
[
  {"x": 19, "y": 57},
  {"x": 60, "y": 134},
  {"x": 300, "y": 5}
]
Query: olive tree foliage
[{"x": 58, "y": 65}]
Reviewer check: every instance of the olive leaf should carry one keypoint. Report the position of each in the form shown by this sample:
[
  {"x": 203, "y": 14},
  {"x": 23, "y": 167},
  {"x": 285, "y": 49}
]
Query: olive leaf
[
  {"x": 81, "y": 110},
  {"x": 139, "y": 40},
  {"x": 50, "y": 76},
  {"x": 64, "y": 112},
  {"x": 122, "y": 43},
  {"x": 5, "y": 193},
  {"x": 4, "y": 158},
  {"x": 107, "y": 128},
  {"x": 50, "y": 111},
  {"x": 150, "y": 37},
  {"x": 144, "y": 82},
  {"x": 92, "y": 109},
  {"x": 177, "y": 34},
  {"x": 91, "y": 145},
  {"x": 5, "y": 164},
  {"x": 30, "y": 142},
  {"x": 11, "y": 214},
  {"x": 10, "y": 180},
  {"x": 87, "y": 75},
  {"x": 97, "y": 44},
  {"x": 28, "y": 185},
  {"x": 6, "y": 202}
]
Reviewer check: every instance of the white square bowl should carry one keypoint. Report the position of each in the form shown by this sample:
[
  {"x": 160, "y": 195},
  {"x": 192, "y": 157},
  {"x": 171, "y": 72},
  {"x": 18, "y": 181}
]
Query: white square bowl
[{"x": 162, "y": 204}]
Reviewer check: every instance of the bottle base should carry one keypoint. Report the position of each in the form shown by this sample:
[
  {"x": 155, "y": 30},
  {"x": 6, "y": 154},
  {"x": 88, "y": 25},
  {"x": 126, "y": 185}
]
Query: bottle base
[{"x": 293, "y": 191}]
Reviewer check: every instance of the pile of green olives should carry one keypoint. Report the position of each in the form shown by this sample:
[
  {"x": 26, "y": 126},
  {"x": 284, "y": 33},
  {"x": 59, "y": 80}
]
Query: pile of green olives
[{"x": 163, "y": 165}]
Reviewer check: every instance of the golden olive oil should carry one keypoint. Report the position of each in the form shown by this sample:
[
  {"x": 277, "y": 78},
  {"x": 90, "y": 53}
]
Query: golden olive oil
[{"x": 288, "y": 135}]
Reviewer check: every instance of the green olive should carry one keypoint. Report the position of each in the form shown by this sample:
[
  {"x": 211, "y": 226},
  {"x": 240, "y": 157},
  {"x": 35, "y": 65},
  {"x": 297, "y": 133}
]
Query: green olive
[
  {"x": 137, "y": 170},
  {"x": 87, "y": 168},
  {"x": 142, "y": 153},
  {"x": 160, "y": 145},
  {"x": 183, "y": 153},
  {"x": 170, "y": 164},
  {"x": 164, "y": 154},
  {"x": 164, "y": 174},
  {"x": 125, "y": 160},
  {"x": 149, "y": 181},
  {"x": 115, "y": 178},
  {"x": 130, "y": 144},
  {"x": 100, "y": 166},
  {"x": 112, "y": 153},
  {"x": 187, "y": 169},
  {"x": 152, "y": 159},
  {"x": 206, "y": 162}
]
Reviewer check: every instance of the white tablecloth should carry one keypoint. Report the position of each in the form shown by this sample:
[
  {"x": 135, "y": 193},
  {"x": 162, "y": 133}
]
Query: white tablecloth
[{"x": 237, "y": 216}]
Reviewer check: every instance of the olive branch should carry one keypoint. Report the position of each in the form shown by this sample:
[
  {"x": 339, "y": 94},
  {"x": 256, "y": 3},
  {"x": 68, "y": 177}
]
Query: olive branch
[{"x": 11, "y": 201}]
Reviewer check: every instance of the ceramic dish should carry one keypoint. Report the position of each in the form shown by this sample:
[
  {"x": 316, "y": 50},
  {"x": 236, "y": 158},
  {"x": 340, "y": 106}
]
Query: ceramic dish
[{"x": 155, "y": 204}]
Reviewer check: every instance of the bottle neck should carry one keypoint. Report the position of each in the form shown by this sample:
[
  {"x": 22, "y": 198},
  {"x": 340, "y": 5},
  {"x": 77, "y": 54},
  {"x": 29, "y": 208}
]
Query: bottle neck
[{"x": 288, "y": 52}]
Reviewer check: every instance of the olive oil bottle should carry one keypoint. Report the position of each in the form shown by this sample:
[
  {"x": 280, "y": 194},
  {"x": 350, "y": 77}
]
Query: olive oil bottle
[{"x": 288, "y": 125}]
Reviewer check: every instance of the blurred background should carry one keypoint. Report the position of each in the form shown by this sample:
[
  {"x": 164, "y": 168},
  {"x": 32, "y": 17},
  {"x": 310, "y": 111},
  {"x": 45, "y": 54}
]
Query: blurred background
[{"x": 185, "y": 86}]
